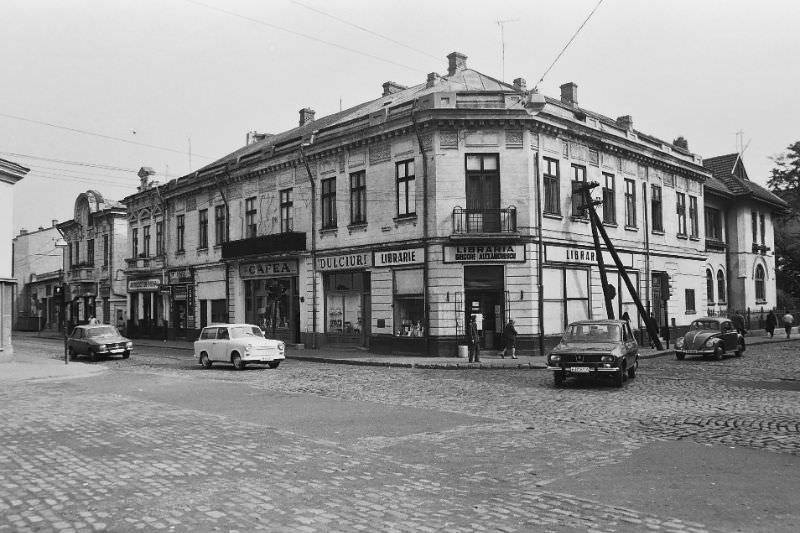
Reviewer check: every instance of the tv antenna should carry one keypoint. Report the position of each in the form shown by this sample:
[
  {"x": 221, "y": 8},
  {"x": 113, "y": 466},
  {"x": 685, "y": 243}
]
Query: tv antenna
[{"x": 500, "y": 24}]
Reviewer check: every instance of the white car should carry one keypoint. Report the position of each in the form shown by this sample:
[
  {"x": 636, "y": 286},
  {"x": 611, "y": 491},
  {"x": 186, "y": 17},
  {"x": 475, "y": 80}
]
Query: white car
[{"x": 237, "y": 344}]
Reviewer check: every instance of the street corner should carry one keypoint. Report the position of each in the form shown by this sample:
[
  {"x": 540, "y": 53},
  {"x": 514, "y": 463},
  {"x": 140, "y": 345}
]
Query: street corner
[{"x": 46, "y": 370}]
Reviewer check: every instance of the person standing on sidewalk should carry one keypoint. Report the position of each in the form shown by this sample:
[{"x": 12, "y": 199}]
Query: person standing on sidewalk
[
  {"x": 509, "y": 340},
  {"x": 474, "y": 340},
  {"x": 788, "y": 320},
  {"x": 772, "y": 322}
]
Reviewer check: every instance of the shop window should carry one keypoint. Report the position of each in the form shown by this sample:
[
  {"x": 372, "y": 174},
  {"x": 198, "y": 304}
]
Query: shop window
[
  {"x": 219, "y": 312},
  {"x": 343, "y": 296},
  {"x": 566, "y": 298},
  {"x": 409, "y": 303}
]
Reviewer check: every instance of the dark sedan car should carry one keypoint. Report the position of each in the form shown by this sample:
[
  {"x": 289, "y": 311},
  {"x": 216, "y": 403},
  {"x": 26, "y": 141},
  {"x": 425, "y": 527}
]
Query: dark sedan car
[
  {"x": 595, "y": 348},
  {"x": 98, "y": 341},
  {"x": 710, "y": 337}
]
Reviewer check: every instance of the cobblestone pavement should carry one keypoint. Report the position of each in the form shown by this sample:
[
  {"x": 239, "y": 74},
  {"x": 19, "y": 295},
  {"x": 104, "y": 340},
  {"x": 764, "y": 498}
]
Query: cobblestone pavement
[{"x": 76, "y": 457}]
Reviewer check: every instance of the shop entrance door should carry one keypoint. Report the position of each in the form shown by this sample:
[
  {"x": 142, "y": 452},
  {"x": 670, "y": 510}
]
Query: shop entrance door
[{"x": 484, "y": 292}]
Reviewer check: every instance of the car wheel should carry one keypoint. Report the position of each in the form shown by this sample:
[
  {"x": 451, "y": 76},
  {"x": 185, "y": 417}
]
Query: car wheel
[
  {"x": 72, "y": 354},
  {"x": 273, "y": 364},
  {"x": 94, "y": 355},
  {"x": 204, "y": 360},
  {"x": 619, "y": 376},
  {"x": 632, "y": 371},
  {"x": 739, "y": 349},
  {"x": 679, "y": 356},
  {"x": 558, "y": 378},
  {"x": 236, "y": 359},
  {"x": 718, "y": 353}
]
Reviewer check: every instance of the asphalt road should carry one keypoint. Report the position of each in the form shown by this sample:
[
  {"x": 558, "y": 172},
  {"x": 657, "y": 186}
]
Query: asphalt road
[{"x": 157, "y": 443}]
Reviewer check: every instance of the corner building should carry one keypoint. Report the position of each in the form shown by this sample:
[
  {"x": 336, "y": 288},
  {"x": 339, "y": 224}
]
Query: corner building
[{"x": 385, "y": 226}]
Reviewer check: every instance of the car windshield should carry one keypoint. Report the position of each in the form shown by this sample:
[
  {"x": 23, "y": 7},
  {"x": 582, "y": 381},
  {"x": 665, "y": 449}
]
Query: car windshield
[
  {"x": 245, "y": 331},
  {"x": 104, "y": 331},
  {"x": 705, "y": 324},
  {"x": 592, "y": 332}
]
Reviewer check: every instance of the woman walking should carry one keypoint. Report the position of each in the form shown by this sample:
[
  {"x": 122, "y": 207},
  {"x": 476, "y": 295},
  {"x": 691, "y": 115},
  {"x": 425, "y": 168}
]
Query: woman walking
[
  {"x": 772, "y": 322},
  {"x": 509, "y": 340}
]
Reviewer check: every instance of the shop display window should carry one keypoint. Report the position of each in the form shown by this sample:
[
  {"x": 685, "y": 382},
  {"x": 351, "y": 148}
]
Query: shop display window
[
  {"x": 343, "y": 297},
  {"x": 267, "y": 304},
  {"x": 409, "y": 303}
]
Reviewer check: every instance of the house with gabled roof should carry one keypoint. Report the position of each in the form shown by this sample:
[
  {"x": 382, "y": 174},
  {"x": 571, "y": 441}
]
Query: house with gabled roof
[{"x": 739, "y": 220}]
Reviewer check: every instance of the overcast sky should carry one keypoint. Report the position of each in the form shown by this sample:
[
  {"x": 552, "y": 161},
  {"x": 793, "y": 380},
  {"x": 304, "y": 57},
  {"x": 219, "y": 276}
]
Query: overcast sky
[{"x": 173, "y": 84}]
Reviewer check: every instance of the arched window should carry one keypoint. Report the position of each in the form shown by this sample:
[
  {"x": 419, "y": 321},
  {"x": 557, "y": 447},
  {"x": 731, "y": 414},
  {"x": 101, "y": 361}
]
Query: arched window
[
  {"x": 709, "y": 286},
  {"x": 761, "y": 294},
  {"x": 721, "y": 292}
]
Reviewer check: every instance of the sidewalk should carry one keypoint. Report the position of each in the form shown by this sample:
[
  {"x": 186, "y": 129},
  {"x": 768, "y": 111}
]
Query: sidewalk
[{"x": 30, "y": 366}]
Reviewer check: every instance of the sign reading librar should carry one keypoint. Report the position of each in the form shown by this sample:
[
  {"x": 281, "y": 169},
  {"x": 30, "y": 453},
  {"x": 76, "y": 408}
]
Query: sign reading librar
[{"x": 492, "y": 253}]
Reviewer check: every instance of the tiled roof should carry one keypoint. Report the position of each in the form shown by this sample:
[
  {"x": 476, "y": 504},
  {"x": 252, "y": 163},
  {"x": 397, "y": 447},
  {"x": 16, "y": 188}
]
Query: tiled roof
[{"x": 729, "y": 177}]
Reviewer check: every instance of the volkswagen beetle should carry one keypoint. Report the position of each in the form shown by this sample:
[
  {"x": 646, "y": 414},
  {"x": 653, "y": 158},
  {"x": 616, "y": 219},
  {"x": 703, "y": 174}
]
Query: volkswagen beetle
[
  {"x": 710, "y": 337},
  {"x": 595, "y": 348}
]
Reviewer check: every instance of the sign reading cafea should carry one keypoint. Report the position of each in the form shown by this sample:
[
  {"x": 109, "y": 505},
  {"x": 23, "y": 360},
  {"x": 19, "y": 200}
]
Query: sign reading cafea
[
  {"x": 345, "y": 262},
  {"x": 484, "y": 253},
  {"x": 399, "y": 257},
  {"x": 268, "y": 269}
]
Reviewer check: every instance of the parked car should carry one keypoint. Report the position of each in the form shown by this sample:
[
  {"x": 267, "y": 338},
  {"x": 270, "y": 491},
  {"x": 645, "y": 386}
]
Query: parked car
[
  {"x": 595, "y": 348},
  {"x": 710, "y": 337},
  {"x": 238, "y": 344},
  {"x": 98, "y": 341}
]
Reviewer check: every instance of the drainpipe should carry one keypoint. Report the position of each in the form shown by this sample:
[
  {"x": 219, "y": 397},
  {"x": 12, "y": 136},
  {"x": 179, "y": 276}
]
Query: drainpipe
[
  {"x": 539, "y": 245},
  {"x": 647, "y": 274},
  {"x": 227, "y": 236},
  {"x": 313, "y": 183},
  {"x": 425, "y": 268}
]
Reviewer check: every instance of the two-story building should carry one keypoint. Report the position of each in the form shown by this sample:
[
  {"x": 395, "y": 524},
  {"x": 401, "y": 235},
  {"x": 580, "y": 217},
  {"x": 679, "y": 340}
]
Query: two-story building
[
  {"x": 38, "y": 268},
  {"x": 93, "y": 261},
  {"x": 740, "y": 243},
  {"x": 10, "y": 174}
]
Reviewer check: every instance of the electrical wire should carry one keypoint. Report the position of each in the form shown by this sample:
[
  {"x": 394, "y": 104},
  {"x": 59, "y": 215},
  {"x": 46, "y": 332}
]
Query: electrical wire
[
  {"x": 102, "y": 136},
  {"x": 299, "y": 34},
  {"x": 66, "y": 162},
  {"x": 366, "y": 30},
  {"x": 566, "y": 45}
]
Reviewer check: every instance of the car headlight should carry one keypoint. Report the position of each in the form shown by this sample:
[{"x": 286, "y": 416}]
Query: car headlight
[
  {"x": 247, "y": 348},
  {"x": 101, "y": 348},
  {"x": 555, "y": 358},
  {"x": 607, "y": 359},
  {"x": 710, "y": 342},
  {"x": 129, "y": 345},
  {"x": 679, "y": 342},
  {"x": 281, "y": 346}
]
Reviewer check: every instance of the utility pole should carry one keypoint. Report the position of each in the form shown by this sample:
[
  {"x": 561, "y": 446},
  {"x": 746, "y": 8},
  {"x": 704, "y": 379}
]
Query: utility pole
[{"x": 500, "y": 24}]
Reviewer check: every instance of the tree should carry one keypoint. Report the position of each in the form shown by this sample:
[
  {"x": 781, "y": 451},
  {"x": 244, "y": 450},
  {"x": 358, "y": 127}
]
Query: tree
[{"x": 785, "y": 183}]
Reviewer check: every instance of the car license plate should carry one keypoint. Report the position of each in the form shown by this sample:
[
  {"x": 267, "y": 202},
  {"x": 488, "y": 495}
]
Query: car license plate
[
  {"x": 579, "y": 369},
  {"x": 116, "y": 350}
]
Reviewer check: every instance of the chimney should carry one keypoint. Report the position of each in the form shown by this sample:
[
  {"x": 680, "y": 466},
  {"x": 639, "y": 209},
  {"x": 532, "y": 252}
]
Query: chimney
[
  {"x": 456, "y": 63},
  {"x": 681, "y": 142},
  {"x": 625, "y": 122},
  {"x": 23, "y": 231},
  {"x": 391, "y": 87},
  {"x": 144, "y": 178},
  {"x": 306, "y": 116},
  {"x": 253, "y": 137},
  {"x": 55, "y": 222},
  {"x": 433, "y": 79},
  {"x": 569, "y": 94},
  {"x": 519, "y": 84}
]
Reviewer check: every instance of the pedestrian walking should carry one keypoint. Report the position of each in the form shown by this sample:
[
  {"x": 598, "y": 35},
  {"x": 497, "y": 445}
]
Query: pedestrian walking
[
  {"x": 772, "y": 322},
  {"x": 788, "y": 320},
  {"x": 474, "y": 340},
  {"x": 509, "y": 340},
  {"x": 738, "y": 322}
]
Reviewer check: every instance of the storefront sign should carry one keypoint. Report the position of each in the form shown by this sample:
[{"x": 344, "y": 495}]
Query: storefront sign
[
  {"x": 180, "y": 275},
  {"x": 488, "y": 253},
  {"x": 583, "y": 256},
  {"x": 141, "y": 285},
  {"x": 179, "y": 292},
  {"x": 399, "y": 257},
  {"x": 345, "y": 262},
  {"x": 266, "y": 269}
]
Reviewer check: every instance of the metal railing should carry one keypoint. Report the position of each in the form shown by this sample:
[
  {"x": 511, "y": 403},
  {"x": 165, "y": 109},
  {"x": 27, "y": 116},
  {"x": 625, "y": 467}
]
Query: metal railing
[{"x": 471, "y": 221}]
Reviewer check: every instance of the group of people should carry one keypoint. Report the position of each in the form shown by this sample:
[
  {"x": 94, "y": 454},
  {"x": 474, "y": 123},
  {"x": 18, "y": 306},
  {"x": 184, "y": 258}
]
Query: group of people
[
  {"x": 473, "y": 339},
  {"x": 772, "y": 323}
]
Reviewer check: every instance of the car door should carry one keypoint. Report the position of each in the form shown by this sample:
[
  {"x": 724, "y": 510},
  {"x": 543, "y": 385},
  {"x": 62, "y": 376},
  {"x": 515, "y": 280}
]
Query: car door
[
  {"x": 205, "y": 343},
  {"x": 221, "y": 344},
  {"x": 630, "y": 344},
  {"x": 78, "y": 341},
  {"x": 729, "y": 335}
]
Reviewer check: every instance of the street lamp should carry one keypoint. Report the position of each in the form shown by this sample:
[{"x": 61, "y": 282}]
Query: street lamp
[{"x": 61, "y": 244}]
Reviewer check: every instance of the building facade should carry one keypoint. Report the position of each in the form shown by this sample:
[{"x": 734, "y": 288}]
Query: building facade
[
  {"x": 37, "y": 265},
  {"x": 10, "y": 174},
  {"x": 94, "y": 260},
  {"x": 385, "y": 226}
]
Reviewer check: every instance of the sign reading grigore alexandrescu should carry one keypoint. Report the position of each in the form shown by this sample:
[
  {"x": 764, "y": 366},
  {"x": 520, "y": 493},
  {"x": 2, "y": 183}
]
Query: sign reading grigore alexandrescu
[
  {"x": 138, "y": 285},
  {"x": 484, "y": 253}
]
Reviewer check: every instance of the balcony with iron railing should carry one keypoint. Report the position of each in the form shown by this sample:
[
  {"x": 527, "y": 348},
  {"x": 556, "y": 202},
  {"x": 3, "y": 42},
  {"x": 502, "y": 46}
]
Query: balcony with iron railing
[
  {"x": 760, "y": 249},
  {"x": 497, "y": 223},
  {"x": 79, "y": 272},
  {"x": 144, "y": 263},
  {"x": 715, "y": 245}
]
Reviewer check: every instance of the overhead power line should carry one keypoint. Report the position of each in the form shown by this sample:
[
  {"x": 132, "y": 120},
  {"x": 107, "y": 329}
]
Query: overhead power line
[
  {"x": 366, "y": 30},
  {"x": 299, "y": 34},
  {"x": 567, "y": 45},
  {"x": 93, "y": 134},
  {"x": 67, "y": 162}
]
